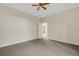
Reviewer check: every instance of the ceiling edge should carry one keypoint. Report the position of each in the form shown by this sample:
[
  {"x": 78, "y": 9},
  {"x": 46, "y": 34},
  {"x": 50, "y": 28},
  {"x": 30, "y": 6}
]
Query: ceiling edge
[{"x": 18, "y": 13}]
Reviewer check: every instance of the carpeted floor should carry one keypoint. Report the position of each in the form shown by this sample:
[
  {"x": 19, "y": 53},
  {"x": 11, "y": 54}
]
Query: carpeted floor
[{"x": 40, "y": 47}]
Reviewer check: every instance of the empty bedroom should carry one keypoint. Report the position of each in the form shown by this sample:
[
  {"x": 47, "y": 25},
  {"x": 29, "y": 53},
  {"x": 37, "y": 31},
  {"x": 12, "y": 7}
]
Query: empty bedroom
[{"x": 39, "y": 29}]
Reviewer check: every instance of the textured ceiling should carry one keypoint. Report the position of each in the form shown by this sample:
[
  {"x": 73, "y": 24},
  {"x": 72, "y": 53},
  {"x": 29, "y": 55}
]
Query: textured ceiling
[{"x": 53, "y": 8}]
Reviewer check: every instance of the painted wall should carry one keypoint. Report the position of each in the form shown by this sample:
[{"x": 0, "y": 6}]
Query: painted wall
[
  {"x": 64, "y": 26},
  {"x": 16, "y": 27}
]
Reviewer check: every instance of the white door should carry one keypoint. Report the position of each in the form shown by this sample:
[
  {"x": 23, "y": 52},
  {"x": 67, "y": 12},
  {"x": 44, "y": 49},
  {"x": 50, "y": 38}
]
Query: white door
[{"x": 42, "y": 30}]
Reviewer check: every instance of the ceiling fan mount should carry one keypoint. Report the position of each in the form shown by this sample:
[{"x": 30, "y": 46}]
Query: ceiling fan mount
[{"x": 41, "y": 5}]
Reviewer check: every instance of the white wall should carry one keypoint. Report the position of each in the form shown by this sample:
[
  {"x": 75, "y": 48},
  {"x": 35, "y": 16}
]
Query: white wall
[
  {"x": 16, "y": 27},
  {"x": 64, "y": 26}
]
